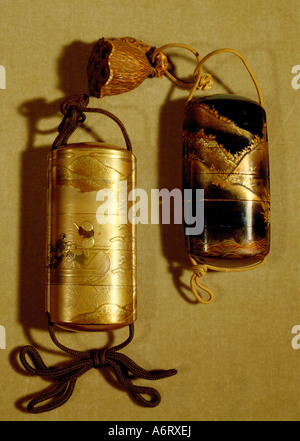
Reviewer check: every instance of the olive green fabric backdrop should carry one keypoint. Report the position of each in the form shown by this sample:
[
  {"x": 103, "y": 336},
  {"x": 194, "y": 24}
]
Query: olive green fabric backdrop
[{"x": 235, "y": 357}]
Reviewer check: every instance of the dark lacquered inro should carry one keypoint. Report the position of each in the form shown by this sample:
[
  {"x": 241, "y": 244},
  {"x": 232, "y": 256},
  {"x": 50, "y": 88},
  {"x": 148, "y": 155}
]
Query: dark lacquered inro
[{"x": 225, "y": 153}]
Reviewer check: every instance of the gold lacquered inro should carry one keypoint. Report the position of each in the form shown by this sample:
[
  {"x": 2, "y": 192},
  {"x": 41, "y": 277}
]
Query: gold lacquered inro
[
  {"x": 91, "y": 265},
  {"x": 91, "y": 260}
]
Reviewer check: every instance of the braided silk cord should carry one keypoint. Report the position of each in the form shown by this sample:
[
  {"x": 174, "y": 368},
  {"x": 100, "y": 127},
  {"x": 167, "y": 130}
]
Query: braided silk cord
[
  {"x": 72, "y": 108},
  {"x": 67, "y": 376}
]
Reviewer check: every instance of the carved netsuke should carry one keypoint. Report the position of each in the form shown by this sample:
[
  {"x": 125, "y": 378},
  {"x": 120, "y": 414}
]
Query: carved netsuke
[
  {"x": 118, "y": 65},
  {"x": 225, "y": 153},
  {"x": 91, "y": 260}
]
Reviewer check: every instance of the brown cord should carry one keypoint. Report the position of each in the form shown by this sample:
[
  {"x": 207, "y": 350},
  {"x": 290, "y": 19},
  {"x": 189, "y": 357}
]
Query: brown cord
[
  {"x": 72, "y": 108},
  {"x": 67, "y": 376}
]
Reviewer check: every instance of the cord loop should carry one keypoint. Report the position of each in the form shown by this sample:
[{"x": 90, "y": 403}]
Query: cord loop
[
  {"x": 67, "y": 376},
  {"x": 204, "y": 83},
  {"x": 73, "y": 109}
]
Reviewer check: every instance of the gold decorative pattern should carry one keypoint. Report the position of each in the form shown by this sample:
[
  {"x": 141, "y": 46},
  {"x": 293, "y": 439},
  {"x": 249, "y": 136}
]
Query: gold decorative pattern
[
  {"x": 91, "y": 267},
  {"x": 229, "y": 248},
  {"x": 231, "y": 165}
]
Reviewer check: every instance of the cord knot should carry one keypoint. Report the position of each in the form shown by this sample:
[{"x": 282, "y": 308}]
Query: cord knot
[
  {"x": 65, "y": 377},
  {"x": 200, "y": 270},
  {"x": 98, "y": 357},
  {"x": 80, "y": 102},
  {"x": 72, "y": 108},
  {"x": 205, "y": 82}
]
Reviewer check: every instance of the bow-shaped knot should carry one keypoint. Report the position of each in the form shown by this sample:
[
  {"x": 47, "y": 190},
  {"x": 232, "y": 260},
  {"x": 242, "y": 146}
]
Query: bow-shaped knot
[
  {"x": 98, "y": 357},
  {"x": 67, "y": 376}
]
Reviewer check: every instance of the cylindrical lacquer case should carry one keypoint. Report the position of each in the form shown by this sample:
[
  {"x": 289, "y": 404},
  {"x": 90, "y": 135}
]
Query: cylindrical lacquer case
[
  {"x": 91, "y": 257},
  {"x": 225, "y": 153}
]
